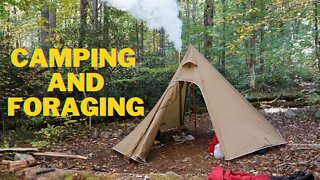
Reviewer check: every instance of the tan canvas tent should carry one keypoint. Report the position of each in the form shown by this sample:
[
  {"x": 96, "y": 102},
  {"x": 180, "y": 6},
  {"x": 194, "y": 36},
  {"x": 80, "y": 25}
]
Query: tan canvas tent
[{"x": 240, "y": 128}]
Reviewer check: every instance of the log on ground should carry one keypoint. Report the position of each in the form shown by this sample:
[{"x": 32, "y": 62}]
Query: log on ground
[
  {"x": 18, "y": 150},
  {"x": 58, "y": 154}
]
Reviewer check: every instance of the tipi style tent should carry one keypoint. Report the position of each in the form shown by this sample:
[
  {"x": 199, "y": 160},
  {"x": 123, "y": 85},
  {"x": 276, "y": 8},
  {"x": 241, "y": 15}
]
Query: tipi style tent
[{"x": 240, "y": 128}]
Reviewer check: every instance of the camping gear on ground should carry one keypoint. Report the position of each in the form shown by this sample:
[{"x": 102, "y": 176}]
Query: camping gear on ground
[
  {"x": 219, "y": 174},
  {"x": 158, "y": 136},
  {"x": 262, "y": 151},
  {"x": 20, "y": 156},
  {"x": 213, "y": 143},
  {"x": 240, "y": 128},
  {"x": 45, "y": 171},
  {"x": 299, "y": 175},
  {"x": 218, "y": 154},
  {"x": 183, "y": 138}
]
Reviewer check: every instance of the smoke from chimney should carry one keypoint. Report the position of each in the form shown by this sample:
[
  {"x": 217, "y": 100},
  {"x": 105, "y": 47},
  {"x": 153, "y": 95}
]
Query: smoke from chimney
[{"x": 157, "y": 13}]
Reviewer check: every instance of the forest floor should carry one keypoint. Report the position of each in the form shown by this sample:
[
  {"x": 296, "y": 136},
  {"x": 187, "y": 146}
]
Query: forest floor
[{"x": 191, "y": 158}]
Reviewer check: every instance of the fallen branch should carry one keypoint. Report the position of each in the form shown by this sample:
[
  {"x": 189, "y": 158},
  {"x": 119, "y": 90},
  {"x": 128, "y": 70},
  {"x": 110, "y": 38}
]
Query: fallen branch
[
  {"x": 178, "y": 143},
  {"x": 308, "y": 145},
  {"x": 282, "y": 103},
  {"x": 3, "y": 156},
  {"x": 287, "y": 97},
  {"x": 19, "y": 149},
  {"x": 305, "y": 148},
  {"x": 57, "y": 154},
  {"x": 270, "y": 102}
]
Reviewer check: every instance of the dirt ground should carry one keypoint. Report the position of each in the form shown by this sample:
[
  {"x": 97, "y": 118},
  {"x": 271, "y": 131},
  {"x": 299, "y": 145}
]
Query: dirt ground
[{"x": 192, "y": 158}]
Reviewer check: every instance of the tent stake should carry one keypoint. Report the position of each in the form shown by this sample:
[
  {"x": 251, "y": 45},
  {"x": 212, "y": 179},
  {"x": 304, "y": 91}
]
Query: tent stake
[{"x": 194, "y": 110}]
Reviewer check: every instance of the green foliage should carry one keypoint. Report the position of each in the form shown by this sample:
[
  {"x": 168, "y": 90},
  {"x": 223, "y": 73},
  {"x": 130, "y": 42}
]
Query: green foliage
[
  {"x": 277, "y": 35},
  {"x": 313, "y": 98},
  {"x": 5, "y": 143},
  {"x": 39, "y": 144},
  {"x": 51, "y": 132},
  {"x": 318, "y": 114}
]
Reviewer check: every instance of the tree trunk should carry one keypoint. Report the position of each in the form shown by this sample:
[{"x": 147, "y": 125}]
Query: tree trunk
[
  {"x": 94, "y": 15},
  {"x": 141, "y": 40},
  {"x": 194, "y": 19},
  {"x": 106, "y": 25},
  {"x": 162, "y": 42},
  {"x": 316, "y": 33},
  {"x": 180, "y": 17},
  {"x": 154, "y": 33},
  {"x": 100, "y": 9},
  {"x": 262, "y": 34},
  {"x": 188, "y": 21},
  {"x": 53, "y": 19},
  {"x": 15, "y": 21},
  {"x": 252, "y": 44},
  {"x": 137, "y": 43},
  {"x": 179, "y": 3},
  {"x": 224, "y": 39},
  {"x": 83, "y": 21},
  {"x": 44, "y": 30},
  {"x": 261, "y": 50},
  {"x": 252, "y": 72},
  {"x": 208, "y": 14},
  {"x": 52, "y": 24}
]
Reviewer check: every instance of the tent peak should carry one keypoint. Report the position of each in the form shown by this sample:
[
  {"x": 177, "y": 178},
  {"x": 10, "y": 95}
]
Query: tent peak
[
  {"x": 191, "y": 46},
  {"x": 190, "y": 57}
]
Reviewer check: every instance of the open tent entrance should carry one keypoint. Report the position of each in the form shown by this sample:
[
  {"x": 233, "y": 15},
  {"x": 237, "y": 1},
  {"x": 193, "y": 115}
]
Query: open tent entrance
[
  {"x": 192, "y": 107},
  {"x": 240, "y": 128}
]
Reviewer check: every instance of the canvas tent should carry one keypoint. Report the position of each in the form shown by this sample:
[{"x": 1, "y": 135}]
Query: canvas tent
[{"x": 240, "y": 128}]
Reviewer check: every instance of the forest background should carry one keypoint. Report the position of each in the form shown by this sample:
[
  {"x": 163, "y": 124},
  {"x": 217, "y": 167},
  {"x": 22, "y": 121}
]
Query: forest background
[{"x": 260, "y": 46}]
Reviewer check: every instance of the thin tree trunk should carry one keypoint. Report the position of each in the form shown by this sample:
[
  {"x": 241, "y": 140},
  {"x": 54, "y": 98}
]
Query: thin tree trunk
[
  {"x": 52, "y": 24},
  {"x": 180, "y": 15},
  {"x": 154, "y": 32},
  {"x": 261, "y": 50},
  {"x": 44, "y": 30},
  {"x": 137, "y": 43},
  {"x": 208, "y": 14},
  {"x": 94, "y": 15},
  {"x": 224, "y": 39},
  {"x": 188, "y": 21},
  {"x": 252, "y": 43},
  {"x": 3, "y": 122},
  {"x": 83, "y": 21},
  {"x": 101, "y": 10},
  {"x": 83, "y": 27},
  {"x": 162, "y": 42},
  {"x": 251, "y": 66},
  {"x": 141, "y": 40},
  {"x": 52, "y": 20},
  {"x": 106, "y": 25},
  {"x": 316, "y": 30},
  {"x": 15, "y": 21},
  {"x": 179, "y": 3},
  {"x": 194, "y": 19},
  {"x": 262, "y": 43}
]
